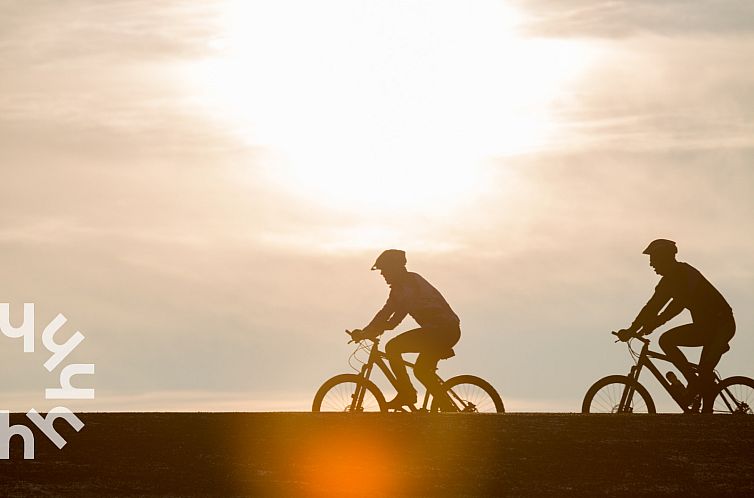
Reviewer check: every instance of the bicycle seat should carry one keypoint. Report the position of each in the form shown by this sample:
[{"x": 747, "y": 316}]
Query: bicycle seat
[{"x": 448, "y": 353}]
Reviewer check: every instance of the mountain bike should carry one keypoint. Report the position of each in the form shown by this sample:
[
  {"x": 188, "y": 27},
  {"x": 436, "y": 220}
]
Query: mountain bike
[
  {"x": 355, "y": 393},
  {"x": 624, "y": 393}
]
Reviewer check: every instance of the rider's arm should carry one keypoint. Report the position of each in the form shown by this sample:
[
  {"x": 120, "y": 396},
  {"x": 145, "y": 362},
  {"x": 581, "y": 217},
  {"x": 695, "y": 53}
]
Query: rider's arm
[
  {"x": 671, "y": 311},
  {"x": 387, "y": 318},
  {"x": 647, "y": 317},
  {"x": 396, "y": 319},
  {"x": 379, "y": 323}
]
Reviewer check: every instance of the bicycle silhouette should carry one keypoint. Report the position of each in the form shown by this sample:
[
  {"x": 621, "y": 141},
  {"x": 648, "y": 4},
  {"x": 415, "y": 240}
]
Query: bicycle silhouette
[
  {"x": 355, "y": 393},
  {"x": 624, "y": 393}
]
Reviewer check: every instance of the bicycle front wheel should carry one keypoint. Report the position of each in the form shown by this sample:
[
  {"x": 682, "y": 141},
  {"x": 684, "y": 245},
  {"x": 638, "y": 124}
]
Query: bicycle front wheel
[
  {"x": 735, "y": 395},
  {"x": 617, "y": 394},
  {"x": 349, "y": 393},
  {"x": 469, "y": 394}
]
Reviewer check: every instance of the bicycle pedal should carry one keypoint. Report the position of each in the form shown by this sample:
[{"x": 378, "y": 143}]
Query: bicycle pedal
[{"x": 695, "y": 404}]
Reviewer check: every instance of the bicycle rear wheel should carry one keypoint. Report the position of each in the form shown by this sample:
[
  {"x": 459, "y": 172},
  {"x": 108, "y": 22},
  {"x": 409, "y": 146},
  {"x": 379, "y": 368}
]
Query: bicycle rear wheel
[
  {"x": 617, "y": 394},
  {"x": 469, "y": 394},
  {"x": 349, "y": 393},
  {"x": 735, "y": 395}
]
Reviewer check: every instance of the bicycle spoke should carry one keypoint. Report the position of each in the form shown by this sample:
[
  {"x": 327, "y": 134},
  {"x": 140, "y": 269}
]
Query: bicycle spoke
[
  {"x": 476, "y": 397},
  {"x": 340, "y": 398},
  {"x": 468, "y": 397},
  {"x": 637, "y": 404},
  {"x": 736, "y": 398},
  {"x": 607, "y": 397}
]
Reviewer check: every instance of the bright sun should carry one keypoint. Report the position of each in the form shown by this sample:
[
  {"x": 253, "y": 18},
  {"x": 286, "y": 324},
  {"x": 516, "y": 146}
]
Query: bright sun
[{"x": 384, "y": 104}]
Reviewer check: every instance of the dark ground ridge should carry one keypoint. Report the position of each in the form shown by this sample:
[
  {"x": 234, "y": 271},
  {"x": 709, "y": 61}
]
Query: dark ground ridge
[{"x": 375, "y": 455}]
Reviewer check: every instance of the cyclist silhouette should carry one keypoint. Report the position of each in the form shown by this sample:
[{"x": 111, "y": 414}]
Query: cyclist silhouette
[
  {"x": 439, "y": 327},
  {"x": 683, "y": 287}
]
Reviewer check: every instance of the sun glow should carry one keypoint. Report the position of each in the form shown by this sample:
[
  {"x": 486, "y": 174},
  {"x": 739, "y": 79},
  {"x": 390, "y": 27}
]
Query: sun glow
[
  {"x": 346, "y": 463},
  {"x": 384, "y": 105}
]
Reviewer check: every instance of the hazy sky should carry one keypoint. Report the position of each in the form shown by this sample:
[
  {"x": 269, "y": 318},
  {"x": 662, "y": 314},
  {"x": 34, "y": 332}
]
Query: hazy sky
[{"x": 201, "y": 187}]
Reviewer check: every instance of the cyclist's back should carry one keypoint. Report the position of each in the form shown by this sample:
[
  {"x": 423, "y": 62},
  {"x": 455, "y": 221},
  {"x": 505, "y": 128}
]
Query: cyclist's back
[
  {"x": 416, "y": 297},
  {"x": 687, "y": 287}
]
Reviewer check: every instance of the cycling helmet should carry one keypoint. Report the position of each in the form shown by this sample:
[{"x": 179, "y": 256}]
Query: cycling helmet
[
  {"x": 392, "y": 258},
  {"x": 661, "y": 246}
]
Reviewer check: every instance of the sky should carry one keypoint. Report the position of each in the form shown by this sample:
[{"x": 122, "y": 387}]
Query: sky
[{"x": 202, "y": 187}]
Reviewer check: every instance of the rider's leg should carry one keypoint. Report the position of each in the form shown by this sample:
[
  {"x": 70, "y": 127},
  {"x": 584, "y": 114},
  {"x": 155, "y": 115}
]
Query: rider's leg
[
  {"x": 433, "y": 343},
  {"x": 685, "y": 335},
  {"x": 441, "y": 347},
  {"x": 709, "y": 359},
  {"x": 721, "y": 334},
  {"x": 407, "y": 342},
  {"x": 424, "y": 370}
]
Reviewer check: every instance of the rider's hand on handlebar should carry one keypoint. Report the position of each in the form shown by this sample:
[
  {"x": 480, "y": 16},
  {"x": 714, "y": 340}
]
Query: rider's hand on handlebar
[
  {"x": 624, "y": 334},
  {"x": 358, "y": 335}
]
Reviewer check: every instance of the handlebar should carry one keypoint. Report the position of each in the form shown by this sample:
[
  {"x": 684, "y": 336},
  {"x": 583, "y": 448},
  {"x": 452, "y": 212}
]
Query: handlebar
[
  {"x": 636, "y": 335},
  {"x": 351, "y": 332}
]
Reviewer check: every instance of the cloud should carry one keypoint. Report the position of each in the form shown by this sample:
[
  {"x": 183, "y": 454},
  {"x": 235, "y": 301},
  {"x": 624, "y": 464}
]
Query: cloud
[
  {"x": 126, "y": 31},
  {"x": 653, "y": 93},
  {"x": 105, "y": 78},
  {"x": 621, "y": 19}
]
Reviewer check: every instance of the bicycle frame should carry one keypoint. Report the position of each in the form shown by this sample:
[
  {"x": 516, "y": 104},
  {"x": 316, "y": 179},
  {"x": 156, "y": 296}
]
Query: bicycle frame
[
  {"x": 645, "y": 360},
  {"x": 378, "y": 358}
]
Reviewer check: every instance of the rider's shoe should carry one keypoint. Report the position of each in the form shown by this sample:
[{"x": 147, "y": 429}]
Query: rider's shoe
[{"x": 401, "y": 400}]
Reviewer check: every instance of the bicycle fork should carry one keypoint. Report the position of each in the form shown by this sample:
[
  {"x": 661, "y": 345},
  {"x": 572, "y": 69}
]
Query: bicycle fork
[
  {"x": 628, "y": 393},
  {"x": 357, "y": 398}
]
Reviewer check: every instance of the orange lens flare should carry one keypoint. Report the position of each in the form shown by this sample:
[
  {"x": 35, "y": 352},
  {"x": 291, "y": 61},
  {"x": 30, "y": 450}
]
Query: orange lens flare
[{"x": 347, "y": 463}]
